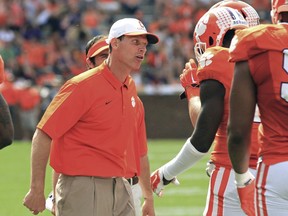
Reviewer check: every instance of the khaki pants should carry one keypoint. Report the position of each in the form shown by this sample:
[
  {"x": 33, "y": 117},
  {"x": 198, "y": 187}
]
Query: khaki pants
[
  {"x": 137, "y": 197},
  {"x": 93, "y": 196}
]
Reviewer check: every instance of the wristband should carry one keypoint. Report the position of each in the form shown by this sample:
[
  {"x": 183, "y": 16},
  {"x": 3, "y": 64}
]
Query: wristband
[{"x": 243, "y": 179}]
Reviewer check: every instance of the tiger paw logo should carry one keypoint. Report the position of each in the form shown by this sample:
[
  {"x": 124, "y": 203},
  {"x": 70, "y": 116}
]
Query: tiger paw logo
[
  {"x": 202, "y": 26},
  {"x": 206, "y": 59}
]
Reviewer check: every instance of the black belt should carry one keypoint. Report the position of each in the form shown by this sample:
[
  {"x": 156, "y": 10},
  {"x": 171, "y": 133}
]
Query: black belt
[{"x": 134, "y": 180}]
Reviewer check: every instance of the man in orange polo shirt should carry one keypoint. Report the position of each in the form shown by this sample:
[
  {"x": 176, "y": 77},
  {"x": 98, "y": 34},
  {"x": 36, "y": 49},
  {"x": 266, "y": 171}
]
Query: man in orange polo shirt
[
  {"x": 6, "y": 124},
  {"x": 97, "y": 50},
  {"x": 90, "y": 128}
]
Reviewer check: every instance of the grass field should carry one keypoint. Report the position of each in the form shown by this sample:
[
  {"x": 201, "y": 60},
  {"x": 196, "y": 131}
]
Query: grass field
[{"x": 187, "y": 199}]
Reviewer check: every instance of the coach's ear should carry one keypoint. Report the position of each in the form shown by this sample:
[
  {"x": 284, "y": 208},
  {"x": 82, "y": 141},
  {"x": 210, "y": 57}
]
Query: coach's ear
[{"x": 114, "y": 43}]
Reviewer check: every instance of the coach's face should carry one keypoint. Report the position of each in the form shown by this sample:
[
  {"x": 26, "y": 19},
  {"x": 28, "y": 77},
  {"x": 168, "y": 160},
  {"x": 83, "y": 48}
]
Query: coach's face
[{"x": 132, "y": 50}]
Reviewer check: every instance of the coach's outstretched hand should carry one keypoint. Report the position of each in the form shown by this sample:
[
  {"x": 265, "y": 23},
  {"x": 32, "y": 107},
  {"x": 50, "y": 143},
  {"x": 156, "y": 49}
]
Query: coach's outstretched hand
[{"x": 158, "y": 182}]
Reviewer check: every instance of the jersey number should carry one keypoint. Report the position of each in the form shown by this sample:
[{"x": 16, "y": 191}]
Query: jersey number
[{"x": 284, "y": 85}]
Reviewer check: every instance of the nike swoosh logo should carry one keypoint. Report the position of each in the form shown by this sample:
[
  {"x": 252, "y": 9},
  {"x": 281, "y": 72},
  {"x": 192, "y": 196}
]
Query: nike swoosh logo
[{"x": 107, "y": 102}]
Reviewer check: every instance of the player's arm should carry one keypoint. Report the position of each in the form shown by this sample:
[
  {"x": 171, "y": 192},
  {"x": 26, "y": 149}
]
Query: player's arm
[
  {"x": 209, "y": 103},
  {"x": 35, "y": 198},
  {"x": 212, "y": 95},
  {"x": 6, "y": 124},
  {"x": 242, "y": 109},
  {"x": 191, "y": 86},
  {"x": 194, "y": 106}
]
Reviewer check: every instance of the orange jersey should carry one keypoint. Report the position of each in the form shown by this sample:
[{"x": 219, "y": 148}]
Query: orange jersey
[
  {"x": 94, "y": 121},
  {"x": 217, "y": 67},
  {"x": 266, "y": 49}
]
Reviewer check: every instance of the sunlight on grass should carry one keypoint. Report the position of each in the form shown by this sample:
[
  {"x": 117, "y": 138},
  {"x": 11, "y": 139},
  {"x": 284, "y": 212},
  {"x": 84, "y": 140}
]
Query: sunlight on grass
[{"x": 187, "y": 199}]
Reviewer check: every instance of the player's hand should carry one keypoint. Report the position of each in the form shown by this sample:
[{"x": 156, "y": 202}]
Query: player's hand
[
  {"x": 34, "y": 201},
  {"x": 246, "y": 191},
  {"x": 210, "y": 167},
  {"x": 188, "y": 77},
  {"x": 246, "y": 196},
  {"x": 158, "y": 182}
]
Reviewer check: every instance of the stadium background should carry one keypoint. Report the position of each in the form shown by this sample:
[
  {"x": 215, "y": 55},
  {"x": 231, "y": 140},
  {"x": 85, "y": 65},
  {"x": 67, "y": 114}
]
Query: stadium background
[{"x": 42, "y": 43}]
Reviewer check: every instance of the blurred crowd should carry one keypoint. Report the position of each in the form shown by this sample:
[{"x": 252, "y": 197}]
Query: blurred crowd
[{"x": 43, "y": 44}]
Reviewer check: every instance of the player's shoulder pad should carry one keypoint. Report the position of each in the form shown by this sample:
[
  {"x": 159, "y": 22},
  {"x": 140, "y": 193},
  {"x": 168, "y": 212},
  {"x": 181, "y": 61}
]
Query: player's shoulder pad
[
  {"x": 212, "y": 58},
  {"x": 214, "y": 64},
  {"x": 258, "y": 39}
]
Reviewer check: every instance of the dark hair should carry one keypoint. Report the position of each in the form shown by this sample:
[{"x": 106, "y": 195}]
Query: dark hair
[{"x": 120, "y": 38}]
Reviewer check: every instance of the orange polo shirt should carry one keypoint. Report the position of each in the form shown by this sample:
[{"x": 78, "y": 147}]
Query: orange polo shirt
[{"x": 93, "y": 122}]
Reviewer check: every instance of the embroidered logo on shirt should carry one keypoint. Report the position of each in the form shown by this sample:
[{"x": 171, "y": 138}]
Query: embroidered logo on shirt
[
  {"x": 107, "y": 102},
  {"x": 133, "y": 102}
]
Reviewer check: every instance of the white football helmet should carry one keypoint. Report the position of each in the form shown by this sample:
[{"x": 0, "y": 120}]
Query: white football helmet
[
  {"x": 212, "y": 27},
  {"x": 247, "y": 11}
]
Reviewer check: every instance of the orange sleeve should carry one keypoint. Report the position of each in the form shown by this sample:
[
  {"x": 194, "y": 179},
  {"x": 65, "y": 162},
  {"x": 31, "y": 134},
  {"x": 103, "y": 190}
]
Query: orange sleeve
[{"x": 67, "y": 104}]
